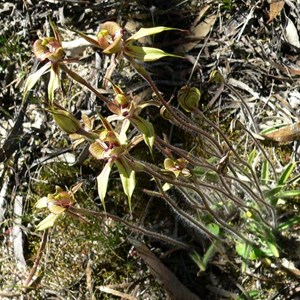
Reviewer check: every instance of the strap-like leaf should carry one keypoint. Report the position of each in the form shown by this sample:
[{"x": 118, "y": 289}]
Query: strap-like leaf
[
  {"x": 286, "y": 174},
  {"x": 265, "y": 172}
]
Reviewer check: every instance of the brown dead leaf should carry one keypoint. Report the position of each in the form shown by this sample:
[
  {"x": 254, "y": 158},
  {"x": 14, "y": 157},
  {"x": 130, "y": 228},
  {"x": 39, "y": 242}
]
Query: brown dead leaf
[
  {"x": 285, "y": 134},
  {"x": 202, "y": 29},
  {"x": 199, "y": 32},
  {"x": 174, "y": 288},
  {"x": 276, "y": 7},
  {"x": 290, "y": 266},
  {"x": 286, "y": 69},
  {"x": 203, "y": 10}
]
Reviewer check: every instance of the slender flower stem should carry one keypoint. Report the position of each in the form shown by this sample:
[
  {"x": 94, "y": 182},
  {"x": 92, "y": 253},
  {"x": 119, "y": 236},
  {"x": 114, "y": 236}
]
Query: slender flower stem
[
  {"x": 145, "y": 167},
  {"x": 178, "y": 120},
  {"x": 38, "y": 258},
  {"x": 133, "y": 227},
  {"x": 82, "y": 81}
]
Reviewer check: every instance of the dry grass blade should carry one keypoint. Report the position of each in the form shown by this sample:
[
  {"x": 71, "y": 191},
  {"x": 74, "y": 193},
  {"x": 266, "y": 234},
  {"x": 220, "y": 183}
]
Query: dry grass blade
[{"x": 111, "y": 291}]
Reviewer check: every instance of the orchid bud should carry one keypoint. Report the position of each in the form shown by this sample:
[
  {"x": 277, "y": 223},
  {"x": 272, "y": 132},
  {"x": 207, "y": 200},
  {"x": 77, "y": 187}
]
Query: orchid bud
[
  {"x": 66, "y": 121},
  {"x": 188, "y": 98}
]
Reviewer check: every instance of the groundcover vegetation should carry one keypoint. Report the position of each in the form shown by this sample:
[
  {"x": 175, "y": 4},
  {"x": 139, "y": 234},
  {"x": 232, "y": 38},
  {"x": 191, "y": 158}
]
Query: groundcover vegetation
[{"x": 149, "y": 150}]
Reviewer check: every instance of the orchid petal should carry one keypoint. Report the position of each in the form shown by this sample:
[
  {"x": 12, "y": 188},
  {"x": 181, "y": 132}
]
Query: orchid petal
[
  {"x": 97, "y": 150},
  {"x": 91, "y": 40},
  {"x": 47, "y": 222},
  {"x": 147, "y": 53},
  {"x": 33, "y": 78},
  {"x": 146, "y": 128},
  {"x": 150, "y": 31},
  {"x": 102, "y": 181},
  {"x": 42, "y": 203},
  {"x": 127, "y": 176},
  {"x": 54, "y": 82},
  {"x": 124, "y": 128}
]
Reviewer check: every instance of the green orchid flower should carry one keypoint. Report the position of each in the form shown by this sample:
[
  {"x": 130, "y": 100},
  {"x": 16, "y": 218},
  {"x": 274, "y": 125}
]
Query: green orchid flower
[
  {"x": 58, "y": 204},
  {"x": 108, "y": 147},
  {"x": 177, "y": 166},
  {"x": 110, "y": 40},
  {"x": 50, "y": 49},
  {"x": 127, "y": 109}
]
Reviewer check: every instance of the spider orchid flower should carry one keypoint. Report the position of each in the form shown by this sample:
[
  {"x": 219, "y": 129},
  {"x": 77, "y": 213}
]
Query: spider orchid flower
[
  {"x": 127, "y": 109},
  {"x": 51, "y": 50},
  {"x": 110, "y": 40},
  {"x": 177, "y": 166},
  {"x": 58, "y": 204},
  {"x": 110, "y": 148}
]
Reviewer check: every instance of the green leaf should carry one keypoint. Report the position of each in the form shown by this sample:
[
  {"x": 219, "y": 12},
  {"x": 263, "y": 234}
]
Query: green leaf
[
  {"x": 146, "y": 128},
  {"x": 47, "y": 222},
  {"x": 252, "y": 156},
  {"x": 147, "y": 53},
  {"x": 149, "y": 31},
  {"x": 209, "y": 254},
  {"x": 102, "y": 181},
  {"x": 246, "y": 251},
  {"x": 273, "y": 249},
  {"x": 265, "y": 172},
  {"x": 33, "y": 78},
  {"x": 272, "y": 129},
  {"x": 272, "y": 192},
  {"x": 198, "y": 261},
  {"x": 286, "y": 173},
  {"x": 213, "y": 228},
  {"x": 288, "y": 194},
  {"x": 127, "y": 176},
  {"x": 209, "y": 175},
  {"x": 202, "y": 263},
  {"x": 289, "y": 223}
]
